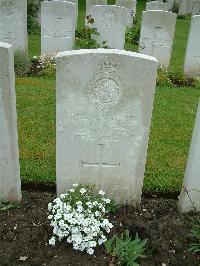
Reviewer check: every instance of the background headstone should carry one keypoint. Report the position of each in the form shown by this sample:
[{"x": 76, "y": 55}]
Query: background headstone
[
  {"x": 189, "y": 199},
  {"x": 13, "y": 23},
  {"x": 57, "y": 26},
  {"x": 91, "y": 3},
  {"x": 196, "y": 8},
  {"x": 131, "y": 10},
  {"x": 156, "y": 5},
  {"x": 157, "y": 33},
  {"x": 10, "y": 183},
  {"x": 104, "y": 106},
  {"x": 75, "y": 2},
  {"x": 110, "y": 22},
  {"x": 170, "y": 4},
  {"x": 192, "y": 58},
  {"x": 185, "y": 7}
]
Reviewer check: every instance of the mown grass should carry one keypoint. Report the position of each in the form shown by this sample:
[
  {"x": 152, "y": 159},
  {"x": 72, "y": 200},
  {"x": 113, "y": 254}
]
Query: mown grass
[{"x": 171, "y": 130}]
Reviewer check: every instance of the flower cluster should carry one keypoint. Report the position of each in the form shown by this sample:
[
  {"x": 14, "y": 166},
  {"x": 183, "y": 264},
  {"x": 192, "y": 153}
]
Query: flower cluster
[
  {"x": 44, "y": 61},
  {"x": 42, "y": 66},
  {"x": 80, "y": 217}
]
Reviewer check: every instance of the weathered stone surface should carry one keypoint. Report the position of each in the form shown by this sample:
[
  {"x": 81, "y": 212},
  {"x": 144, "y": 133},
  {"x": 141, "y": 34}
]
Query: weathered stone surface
[
  {"x": 156, "y": 5},
  {"x": 170, "y": 4},
  {"x": 103, "y": 119},
  {"x": 13, "y": 23},
  {"x": 157, "y": 33},
  {"x": 189, "y": 199},
  {"x": 131, "y": 10},
  {"x": 75, "y": 2},
  {"x": 185, "y": 7},
  {"x": 10, "y": 184},
  {"x": 192, "y": 58},
  {"x": 91, "y": 3},
  {"x": 57, "y": 26},
  {"x": 110, "y": 22},
  {"x": 196, "y": 8}
]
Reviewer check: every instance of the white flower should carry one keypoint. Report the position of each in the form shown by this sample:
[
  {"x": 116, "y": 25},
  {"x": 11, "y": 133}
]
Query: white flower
[
  {"x": 50, "y": 206},
  {"x": 107, "y": 201},
  {"x": 79, "y": 218},
  {"x": 52, "y": 241},
  {"x": 101, "y": 192},
  {"x": 95, "y": 203},
  {"x": 83, "y": 190},
  {"x": 92, "y": 244},
  {"x": 50, "y": 217},
  {"x": 61, "y": 223},
  {"x": 79, "y": 208},
  {"x": 58, "y": 216},
  {"x": 97, "y": 213},
  {"x": 89, "y": 204},
  {"x": 90, "y": 251},
  {"x": 102, "y": 240},
  {"x": 74, "y": 185}
]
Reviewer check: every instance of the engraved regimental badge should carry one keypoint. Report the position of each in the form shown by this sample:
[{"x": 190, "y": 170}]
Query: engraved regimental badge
[{"x": 105, "y": 89}]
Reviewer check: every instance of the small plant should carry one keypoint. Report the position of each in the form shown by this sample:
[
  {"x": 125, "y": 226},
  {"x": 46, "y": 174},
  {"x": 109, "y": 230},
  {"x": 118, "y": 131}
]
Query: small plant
[
  {"x": 133, "y": 34},
  {"x": 8, "y": 206},
  {"x": 180, "y": 80},
  {"x": 21, "y": 63},
  {"x": 85, "y": 38},
  {"x": 195, "y": 247},
  {"x": 80, "y": 216},
  {"x": 126, "y": 250},
  {"x": 163, "y": 77}
]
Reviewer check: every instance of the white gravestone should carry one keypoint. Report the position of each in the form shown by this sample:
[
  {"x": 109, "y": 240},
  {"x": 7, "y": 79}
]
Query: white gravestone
[
  {"x": 91, "y": 3},
  {"x": 156, "y": 5},
  {"x": 157, "y": 34},
  {"x": 170, "y": 4},
  {"x": 75, "y": 2},
  {"x": 185, "y": 7},
  {"x": 131, "y": 10},
  {"x": 192, "y": 58},
  {"x": 110, "y": 22},
  {"x": 103, "y": 120},
  {"x": 57, "y": 26},
  {"x": 13, "y": 23},
  {"x": 196, "y": 8},
  {"x": 10, "y": 184},
  {"x": 189, "y": 199}
]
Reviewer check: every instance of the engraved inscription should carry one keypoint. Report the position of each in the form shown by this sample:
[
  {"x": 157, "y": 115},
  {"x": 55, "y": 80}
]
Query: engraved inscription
[
  {"x": 8, "y": 36},
  {"x": 110, "y": 18},
  {"x": 157, "y": 32},
  {"x": 159, "y": 39},
  {"x": 58, "y": 30}
]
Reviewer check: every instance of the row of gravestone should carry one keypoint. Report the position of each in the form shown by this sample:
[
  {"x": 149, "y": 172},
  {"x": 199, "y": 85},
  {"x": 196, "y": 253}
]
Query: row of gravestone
[
  {"x": 183, "y": 7},
  {"x": 103, "y": 118},
  {"x": 59, "y": 20}
]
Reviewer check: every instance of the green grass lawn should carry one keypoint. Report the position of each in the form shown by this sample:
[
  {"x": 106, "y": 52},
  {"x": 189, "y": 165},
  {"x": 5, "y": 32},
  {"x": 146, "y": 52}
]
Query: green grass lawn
[{"x": 172, "y": 123}]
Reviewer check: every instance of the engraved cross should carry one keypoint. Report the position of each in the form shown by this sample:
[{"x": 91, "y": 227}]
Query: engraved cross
[{"x": 101, "y": 164}]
